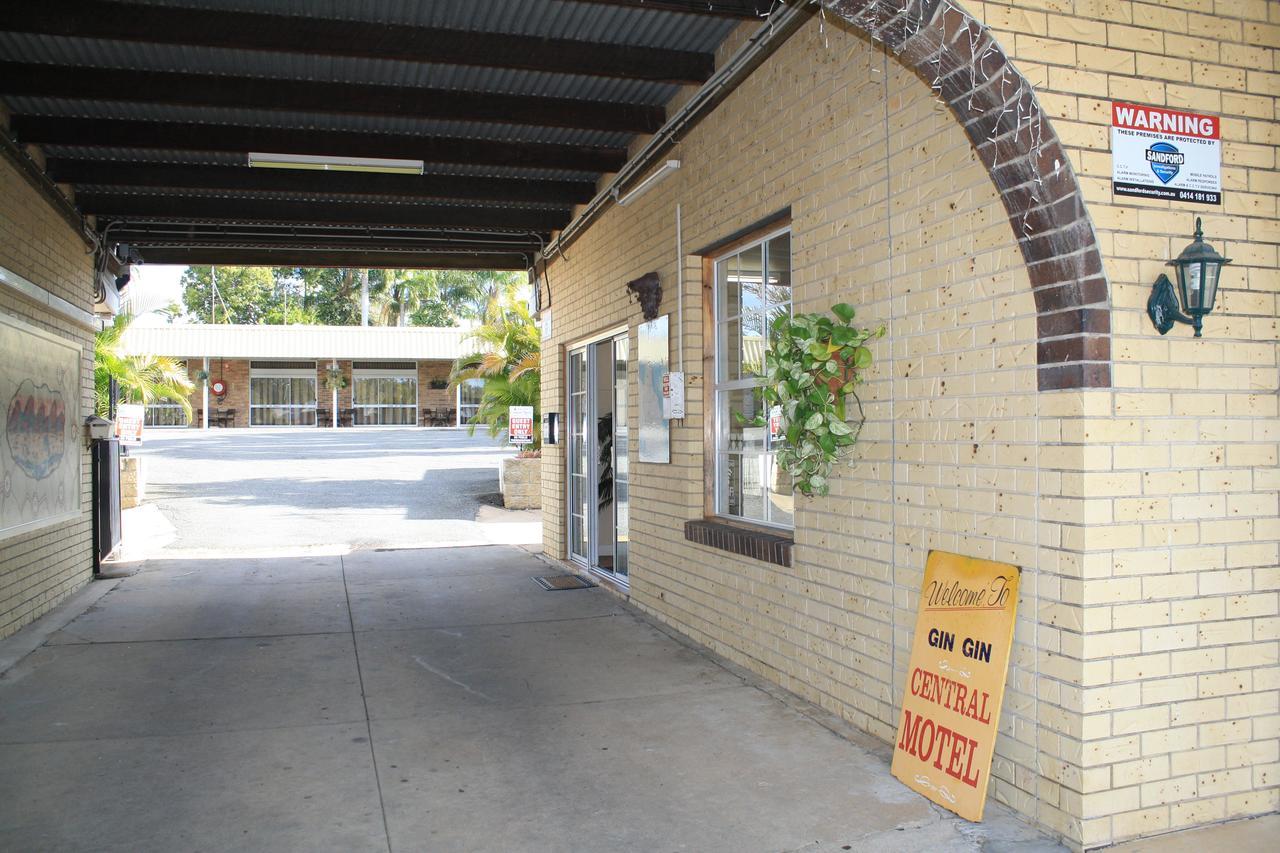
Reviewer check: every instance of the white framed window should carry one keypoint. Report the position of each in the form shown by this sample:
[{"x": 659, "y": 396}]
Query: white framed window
[
  {"x": 165, "y": 415},
  {"x": 752, "y": 287},
  {"x": 470, "y": 393}
]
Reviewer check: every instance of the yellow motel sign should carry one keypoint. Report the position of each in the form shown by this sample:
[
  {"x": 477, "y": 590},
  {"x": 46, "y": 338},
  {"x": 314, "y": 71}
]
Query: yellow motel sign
[{"x": 955, "y": 680}]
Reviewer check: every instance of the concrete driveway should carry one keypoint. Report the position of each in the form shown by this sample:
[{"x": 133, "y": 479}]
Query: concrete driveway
[
  {"x": 280, "y": 677},
  {"x": 268, "y": 491},
  {"x": 421, "y": 700}
]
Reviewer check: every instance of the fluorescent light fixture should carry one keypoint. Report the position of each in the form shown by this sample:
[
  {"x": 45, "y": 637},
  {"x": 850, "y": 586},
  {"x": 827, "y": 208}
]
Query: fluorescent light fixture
[
  {"x": 648, "y": 183},
  {"x": 335, "y": 164}
]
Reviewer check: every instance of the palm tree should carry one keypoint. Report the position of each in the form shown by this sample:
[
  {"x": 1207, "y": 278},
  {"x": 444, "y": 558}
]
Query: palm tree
[
  {"x": 491, "y": 295},
  {"x": 140, "y": 378},
  {"x": 509, "y": 361}
]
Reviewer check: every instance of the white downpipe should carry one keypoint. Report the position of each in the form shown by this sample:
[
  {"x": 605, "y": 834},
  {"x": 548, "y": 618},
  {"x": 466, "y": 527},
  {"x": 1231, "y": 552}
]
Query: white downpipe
[
  {"x": 364, "y": 297},
  {"x": 204, "y": 413},
  {"x": 679, "y": 293},
  {"x": 333, "y": 365}
]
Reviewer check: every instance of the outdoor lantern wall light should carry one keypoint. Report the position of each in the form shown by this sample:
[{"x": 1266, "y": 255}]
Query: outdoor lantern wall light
[{"x": 1198, "y": 268}]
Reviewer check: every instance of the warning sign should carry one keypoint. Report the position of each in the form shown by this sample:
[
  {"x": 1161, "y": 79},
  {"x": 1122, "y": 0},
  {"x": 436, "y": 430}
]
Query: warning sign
[
  {"x": 1166, "y": 154},
  {"x": 955, "y": 680}
]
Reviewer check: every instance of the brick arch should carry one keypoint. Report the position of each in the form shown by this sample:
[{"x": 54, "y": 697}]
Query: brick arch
[{"x": 1012, "y": 137}]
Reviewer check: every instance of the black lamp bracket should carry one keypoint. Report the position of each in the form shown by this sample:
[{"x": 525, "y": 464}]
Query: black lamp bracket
[
  {"x": 1162, "y": 306},
  {"x": 647, "y": 289}
]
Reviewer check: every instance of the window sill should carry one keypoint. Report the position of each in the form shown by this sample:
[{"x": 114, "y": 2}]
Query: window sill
[{"x": 761, "y": 545}]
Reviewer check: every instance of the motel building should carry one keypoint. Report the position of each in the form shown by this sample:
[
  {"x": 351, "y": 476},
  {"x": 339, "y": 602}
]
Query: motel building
[
  {"x": 312, "y": 376},
  {"x": 1000, "y": 186}
]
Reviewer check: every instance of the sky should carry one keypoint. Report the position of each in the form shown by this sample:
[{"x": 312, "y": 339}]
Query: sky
[{"x": 154, "y": 286}]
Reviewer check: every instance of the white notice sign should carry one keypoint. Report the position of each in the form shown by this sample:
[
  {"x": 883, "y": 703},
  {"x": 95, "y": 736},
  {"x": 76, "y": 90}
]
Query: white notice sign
[
  {"x": 673, "y": 396},
  {"x": 520, "y": 423},
  {"x": 129, "y": 420},
  {"x": 1166, "y": 154}
]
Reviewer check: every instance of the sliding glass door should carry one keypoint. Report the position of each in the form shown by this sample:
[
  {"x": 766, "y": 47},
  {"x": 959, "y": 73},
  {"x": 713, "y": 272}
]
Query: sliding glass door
[
  {"x": 282, "y": 394},
  {"x": 385, "y": 393},
  {"x": 597, "y": 465}
]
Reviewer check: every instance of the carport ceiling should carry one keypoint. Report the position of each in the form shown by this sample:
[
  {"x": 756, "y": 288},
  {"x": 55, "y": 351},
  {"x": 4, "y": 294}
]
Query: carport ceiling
[{"x": 149, "y": 109}]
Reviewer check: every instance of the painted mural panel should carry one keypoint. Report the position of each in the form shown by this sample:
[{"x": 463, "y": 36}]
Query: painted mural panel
[
  {"x": 652, "y": 358},
  {"x": 40, "y": 430}
]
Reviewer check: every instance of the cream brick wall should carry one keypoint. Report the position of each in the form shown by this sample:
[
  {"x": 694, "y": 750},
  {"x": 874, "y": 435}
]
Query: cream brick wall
[
  {"x": 892, "y": 212},
  {"x": 1143, "y": 690},
  {"x": 1181, "y": 695},
  {"x": 39, "y": 569}
]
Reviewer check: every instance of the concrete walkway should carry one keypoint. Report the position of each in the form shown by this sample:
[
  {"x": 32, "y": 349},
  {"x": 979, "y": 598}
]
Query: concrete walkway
[{"x": 421, "y": 700}]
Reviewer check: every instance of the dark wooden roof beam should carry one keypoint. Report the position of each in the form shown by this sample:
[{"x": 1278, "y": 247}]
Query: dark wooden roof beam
[
  {"x": 202, "y": 90},
  {"x": 299, "y": 256},
  {"x": 741, "y": 9},
  {"x": 124, "y": 205},
  {"x": 108, "y": 173},
  {"x": 242, "y": 139},
  {"x": 358, "y": 39}
]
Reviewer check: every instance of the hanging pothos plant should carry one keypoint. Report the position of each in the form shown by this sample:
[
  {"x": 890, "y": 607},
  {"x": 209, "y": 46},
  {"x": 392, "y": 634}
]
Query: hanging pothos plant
[
  {"x": 334, "y": 379},
  {"x": 813, "y": 362}
]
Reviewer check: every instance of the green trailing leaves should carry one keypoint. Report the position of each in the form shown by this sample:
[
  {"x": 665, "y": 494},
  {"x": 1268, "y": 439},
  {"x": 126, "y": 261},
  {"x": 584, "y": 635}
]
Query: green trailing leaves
[{"x": 813, "y": 362}]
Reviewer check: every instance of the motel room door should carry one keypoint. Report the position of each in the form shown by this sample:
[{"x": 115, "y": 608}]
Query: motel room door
[{"x": 599, "y": 479}]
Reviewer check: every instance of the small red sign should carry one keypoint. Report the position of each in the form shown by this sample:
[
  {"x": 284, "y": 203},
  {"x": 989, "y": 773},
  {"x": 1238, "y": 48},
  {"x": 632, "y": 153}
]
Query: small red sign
[{"x": 1159, "y": 120}]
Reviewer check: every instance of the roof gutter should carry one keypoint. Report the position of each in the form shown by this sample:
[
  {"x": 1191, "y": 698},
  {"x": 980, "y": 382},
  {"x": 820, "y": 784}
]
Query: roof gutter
[{"x": 780, "y": 26}]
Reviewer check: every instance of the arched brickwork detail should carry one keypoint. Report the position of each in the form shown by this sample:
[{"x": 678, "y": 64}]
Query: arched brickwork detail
[{"x": 962, "y": 62}]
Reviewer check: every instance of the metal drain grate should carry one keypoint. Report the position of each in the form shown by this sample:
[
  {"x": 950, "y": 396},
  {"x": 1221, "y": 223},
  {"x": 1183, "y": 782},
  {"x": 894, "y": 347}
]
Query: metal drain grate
[{"x": 555, "y": 583}]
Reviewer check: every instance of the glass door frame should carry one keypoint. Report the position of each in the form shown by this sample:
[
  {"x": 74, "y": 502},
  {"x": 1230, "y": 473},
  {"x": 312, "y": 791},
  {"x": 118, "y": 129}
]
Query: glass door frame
[{"x": 586, "y": 349}]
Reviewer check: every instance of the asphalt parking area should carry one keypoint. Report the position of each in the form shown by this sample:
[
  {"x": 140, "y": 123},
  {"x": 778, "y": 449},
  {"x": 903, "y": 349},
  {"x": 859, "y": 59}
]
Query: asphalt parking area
[{"x": 267, "y": 491}]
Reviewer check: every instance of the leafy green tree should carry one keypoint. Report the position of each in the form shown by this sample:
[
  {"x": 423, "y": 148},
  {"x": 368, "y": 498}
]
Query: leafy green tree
[
  {"x": 479, "y": 294},
  {"x": 244, "y": 294},
  {"x": 442, "y": 297},
  {"x": 331, "y": 296},
  {"x": 402, "y": 294},
  {"x": 140, "y": 378},
  {"x": 508, "y": 358}
]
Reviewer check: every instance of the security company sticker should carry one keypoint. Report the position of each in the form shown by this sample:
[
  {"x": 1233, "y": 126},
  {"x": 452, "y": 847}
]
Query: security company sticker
[
  {"x": 1166, "y": 154},
  {"x": 955, "y": 680}
]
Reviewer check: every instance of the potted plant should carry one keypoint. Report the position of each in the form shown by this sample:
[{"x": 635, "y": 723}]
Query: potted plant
[
  {"x": 509, "y": 361},
  {"x": 334, "y": 379},
  {"x": 813, "y": 363},
  {"x": 438, "y": 384}
]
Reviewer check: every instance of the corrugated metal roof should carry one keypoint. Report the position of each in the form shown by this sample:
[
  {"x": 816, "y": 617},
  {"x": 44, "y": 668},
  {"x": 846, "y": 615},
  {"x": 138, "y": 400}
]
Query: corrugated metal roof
[
  {"x": 123, "y": 110},
  {"x": 551, "y": 18},
  {"x": 597, "y": 24},
  {"x": 325, "y": 198},
  {"x": 343, "y": 342},
  {"x": 228, "y": 158},
  {"x": 95, "y": 53}
]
